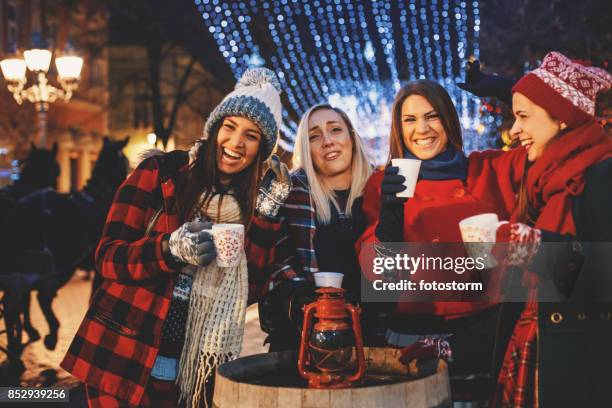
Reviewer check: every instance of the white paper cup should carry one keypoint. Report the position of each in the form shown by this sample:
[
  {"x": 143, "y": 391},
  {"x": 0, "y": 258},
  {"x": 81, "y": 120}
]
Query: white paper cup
[
  {"x": 229, "y": 243},
  {"x": 478, "y": 234},
  {"x": 328, "y": 279},
  {"x": 409, "y": 168}
]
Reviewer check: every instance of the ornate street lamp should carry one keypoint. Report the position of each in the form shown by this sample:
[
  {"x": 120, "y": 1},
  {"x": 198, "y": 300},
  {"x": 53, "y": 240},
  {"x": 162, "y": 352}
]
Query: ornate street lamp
[{"x": 41, "y": 93}]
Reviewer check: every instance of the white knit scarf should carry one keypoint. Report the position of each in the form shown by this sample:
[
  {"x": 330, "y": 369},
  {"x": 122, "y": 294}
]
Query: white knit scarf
[{"x": 217, "y": 309}]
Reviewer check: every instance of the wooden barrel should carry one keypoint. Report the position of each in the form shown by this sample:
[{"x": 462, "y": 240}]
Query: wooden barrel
[{"x": 271, "y": 380}]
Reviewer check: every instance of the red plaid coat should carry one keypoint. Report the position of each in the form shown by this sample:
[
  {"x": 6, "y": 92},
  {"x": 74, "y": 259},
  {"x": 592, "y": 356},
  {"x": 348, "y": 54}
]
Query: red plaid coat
[{"x": 118, "y": 340}]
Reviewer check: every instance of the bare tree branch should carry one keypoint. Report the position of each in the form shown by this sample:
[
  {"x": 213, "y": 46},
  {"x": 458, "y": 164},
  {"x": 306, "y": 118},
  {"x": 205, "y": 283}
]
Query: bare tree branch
[{"x": 180, "y": 97}]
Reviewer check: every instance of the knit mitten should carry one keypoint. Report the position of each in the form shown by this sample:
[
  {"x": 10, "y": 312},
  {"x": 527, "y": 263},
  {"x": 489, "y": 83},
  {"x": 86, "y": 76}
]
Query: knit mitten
[
  {"x": 427, "y": 348},
  {"x": 516, "y": 244},
  {"x": 192, "y": 244},
  {"x": 274, "y": 189}
]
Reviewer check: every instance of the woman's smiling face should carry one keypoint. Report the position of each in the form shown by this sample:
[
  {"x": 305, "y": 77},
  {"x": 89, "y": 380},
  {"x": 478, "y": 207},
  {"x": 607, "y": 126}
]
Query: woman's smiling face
[
  {"x": 238, "y": 143},
  {"x": 422, "y": 130},
  {"x": 533, "y": 126}
]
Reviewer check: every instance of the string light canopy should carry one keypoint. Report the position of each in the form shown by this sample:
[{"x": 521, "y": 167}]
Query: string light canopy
[{"x": 354, "y": 55}]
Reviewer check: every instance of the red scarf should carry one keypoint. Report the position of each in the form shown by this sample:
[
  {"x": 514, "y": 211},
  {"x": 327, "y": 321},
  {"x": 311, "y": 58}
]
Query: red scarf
[{"x": 559, "y": 175}]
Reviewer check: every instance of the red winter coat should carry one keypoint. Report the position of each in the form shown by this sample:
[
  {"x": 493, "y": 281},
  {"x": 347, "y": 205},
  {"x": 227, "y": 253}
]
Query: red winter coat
[
  {"x": 433, "y": 214},
  {"x": 119, "y": 338}
]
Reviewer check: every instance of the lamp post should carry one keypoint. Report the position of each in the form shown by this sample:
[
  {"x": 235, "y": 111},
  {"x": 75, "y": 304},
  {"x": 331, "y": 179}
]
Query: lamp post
[{"x": 41, "y": 93}]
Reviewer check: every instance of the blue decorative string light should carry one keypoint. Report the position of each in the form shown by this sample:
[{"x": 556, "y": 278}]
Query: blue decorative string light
[{"x": 355, "y": 55}]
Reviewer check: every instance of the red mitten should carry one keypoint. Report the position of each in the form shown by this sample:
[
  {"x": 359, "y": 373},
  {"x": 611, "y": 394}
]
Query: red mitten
[
  {"x": 516, "y": 244},
  {"x": 427, "y": 348}
]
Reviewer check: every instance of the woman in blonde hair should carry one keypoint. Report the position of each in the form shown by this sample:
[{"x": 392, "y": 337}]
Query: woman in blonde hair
[{"x": 319, "y": 222}]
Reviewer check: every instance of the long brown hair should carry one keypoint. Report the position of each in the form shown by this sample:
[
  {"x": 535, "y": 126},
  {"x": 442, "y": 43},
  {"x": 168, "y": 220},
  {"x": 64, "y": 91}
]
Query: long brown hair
[
  {"x": 203, "y": 177},
  {"x": 439, "y": 99}
]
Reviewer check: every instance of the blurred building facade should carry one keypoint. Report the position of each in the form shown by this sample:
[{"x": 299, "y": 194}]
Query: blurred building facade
[
  {"x": 79, "y": 125},
  {"x": 114, "y": 95},
  {"x": 131, "y": 112}
]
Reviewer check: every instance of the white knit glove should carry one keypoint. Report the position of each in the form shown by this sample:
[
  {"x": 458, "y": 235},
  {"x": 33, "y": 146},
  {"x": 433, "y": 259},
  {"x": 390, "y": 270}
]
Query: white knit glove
[
  {"x": 274, "y": 189},
  {"x": 192, "y": 244}
]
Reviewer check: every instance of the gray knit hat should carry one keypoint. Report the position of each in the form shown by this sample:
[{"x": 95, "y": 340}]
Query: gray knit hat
[{"x": 255, "y": 97}]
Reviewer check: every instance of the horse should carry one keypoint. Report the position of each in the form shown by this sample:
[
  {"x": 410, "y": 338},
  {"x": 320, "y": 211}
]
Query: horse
[
  {"x": 38, "y": 171},
  {"x": 54, "y": 234}
]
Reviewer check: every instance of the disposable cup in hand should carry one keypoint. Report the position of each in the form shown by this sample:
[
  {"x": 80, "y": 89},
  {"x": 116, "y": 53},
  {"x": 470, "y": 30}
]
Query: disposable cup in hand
[
  {"x": 478, "y": 234},
  {"x": 328, "y": 279},
  {"x": 229, "y": 243},
  {"x": 409, "y": 168}
]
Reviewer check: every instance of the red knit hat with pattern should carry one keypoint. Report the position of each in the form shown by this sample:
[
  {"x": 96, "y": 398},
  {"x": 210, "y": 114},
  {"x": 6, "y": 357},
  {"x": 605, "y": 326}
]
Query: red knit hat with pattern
[{"x": 565, "y": 89}]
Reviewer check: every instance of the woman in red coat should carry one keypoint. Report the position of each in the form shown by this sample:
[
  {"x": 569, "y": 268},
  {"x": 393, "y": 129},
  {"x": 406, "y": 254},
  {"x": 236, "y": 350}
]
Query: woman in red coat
[
  {"x": 166, "y": 314},
  {"x": 560, "y": 354},
  {"x": 451, "y": 187}
]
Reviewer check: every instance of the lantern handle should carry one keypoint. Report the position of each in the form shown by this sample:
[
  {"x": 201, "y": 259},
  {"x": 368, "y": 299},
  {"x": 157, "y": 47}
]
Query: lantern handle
[
  {"x": 355, "y": 311},
  {"x": 308, "y": 313}
]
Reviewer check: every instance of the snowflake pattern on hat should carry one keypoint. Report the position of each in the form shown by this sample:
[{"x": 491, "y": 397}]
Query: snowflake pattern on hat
[{"x": 577, "y": 83}]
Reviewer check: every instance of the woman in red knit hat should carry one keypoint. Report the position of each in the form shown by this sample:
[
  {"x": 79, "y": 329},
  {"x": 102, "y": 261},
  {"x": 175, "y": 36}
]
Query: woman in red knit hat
[{"x": 559, "y": 354}]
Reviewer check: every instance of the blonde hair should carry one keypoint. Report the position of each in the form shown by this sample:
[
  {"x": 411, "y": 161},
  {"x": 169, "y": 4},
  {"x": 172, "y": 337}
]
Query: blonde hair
[{"x": 320, "y": 194}]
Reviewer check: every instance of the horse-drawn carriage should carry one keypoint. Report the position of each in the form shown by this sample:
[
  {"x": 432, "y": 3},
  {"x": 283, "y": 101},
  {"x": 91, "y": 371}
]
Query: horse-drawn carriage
[{"x": 45, "y": 236}]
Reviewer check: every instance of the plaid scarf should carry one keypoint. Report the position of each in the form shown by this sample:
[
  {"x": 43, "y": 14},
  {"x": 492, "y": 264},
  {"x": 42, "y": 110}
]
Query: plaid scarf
[{"x": 295, "y": 253}]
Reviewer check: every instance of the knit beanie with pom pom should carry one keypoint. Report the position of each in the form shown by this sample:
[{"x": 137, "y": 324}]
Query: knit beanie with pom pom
[
  {"x": 255, "y": 97},
  {"x": 567, "y": 90}
]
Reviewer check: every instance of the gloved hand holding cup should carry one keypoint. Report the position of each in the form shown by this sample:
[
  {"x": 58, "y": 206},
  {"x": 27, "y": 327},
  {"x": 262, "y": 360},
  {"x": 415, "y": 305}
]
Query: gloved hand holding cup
[{"x": 192, "y": 243}]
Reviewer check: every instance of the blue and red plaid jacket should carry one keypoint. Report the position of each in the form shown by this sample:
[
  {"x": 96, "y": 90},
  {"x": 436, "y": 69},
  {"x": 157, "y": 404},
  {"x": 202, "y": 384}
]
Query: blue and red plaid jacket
[
  {"x": 292, "y": 254},
  {"x": 117, "y": 343}
]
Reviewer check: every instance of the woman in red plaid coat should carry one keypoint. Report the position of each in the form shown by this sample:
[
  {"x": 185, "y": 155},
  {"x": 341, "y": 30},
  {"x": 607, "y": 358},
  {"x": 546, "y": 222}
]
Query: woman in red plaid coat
[
  {"x": 559, "y": 354},
  {"x": 143, "y": 337}
]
